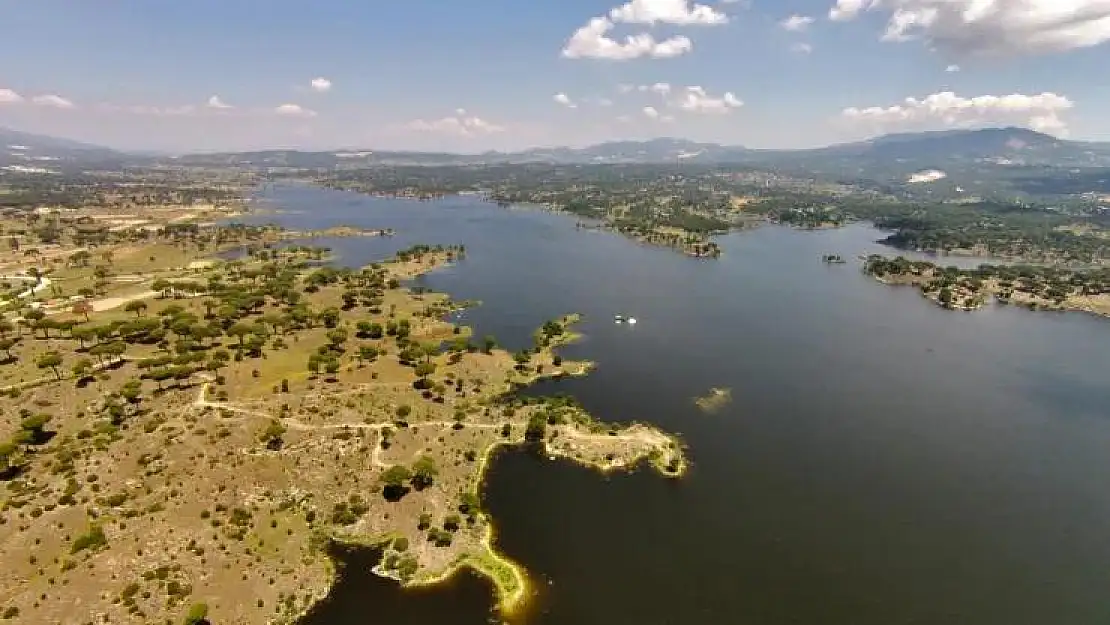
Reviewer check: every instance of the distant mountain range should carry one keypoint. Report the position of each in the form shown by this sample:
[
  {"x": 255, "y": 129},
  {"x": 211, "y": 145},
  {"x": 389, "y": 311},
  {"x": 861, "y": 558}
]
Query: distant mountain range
[{"x": 894, "y": 152}]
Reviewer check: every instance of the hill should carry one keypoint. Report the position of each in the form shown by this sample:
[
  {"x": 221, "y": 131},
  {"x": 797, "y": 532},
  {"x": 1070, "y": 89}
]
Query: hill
[{"x": 901, "y": 153}]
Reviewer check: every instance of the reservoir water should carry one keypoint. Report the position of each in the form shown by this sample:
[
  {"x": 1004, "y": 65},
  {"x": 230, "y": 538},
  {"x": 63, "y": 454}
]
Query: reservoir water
[{"x": 883, "y": 461}]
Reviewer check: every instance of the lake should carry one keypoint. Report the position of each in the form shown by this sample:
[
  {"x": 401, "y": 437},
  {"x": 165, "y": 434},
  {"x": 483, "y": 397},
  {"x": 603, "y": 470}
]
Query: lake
[{"x": 883, "y": 462}]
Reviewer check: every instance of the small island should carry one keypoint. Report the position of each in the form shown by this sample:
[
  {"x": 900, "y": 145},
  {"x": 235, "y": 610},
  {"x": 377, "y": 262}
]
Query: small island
[{"x": 714, "y": 400}]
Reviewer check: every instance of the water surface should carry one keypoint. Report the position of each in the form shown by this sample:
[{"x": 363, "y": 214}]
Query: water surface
[{"x": 883, "y": 462}]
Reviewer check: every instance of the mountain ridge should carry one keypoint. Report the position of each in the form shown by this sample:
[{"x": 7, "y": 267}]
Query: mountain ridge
[{"x": 1002, "y": 146}]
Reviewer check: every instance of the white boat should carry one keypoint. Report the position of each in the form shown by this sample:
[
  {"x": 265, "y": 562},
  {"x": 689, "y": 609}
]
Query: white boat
[
  {"x": 632, "y": 320},
  {"x": 618, "y": 318}
]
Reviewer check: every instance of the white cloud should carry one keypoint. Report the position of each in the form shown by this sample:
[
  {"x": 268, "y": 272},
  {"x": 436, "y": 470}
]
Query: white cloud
[
  {"x": 53, "y": 101},
  {"x": 990, "y": 27},
  {"x": 320, "y": 85},
  {"x": 651, "y": 112},
  {"x": 216, "y": 103},
  {"x": 624, "y": 119},
  {"x": 796, "y": 23},
  {"x": 592, "y": 41},
  {"x": 604, "y": 102},
  {"x": 801, "y": 48},
  {"x": 661, "y": 88},
  {"x": 294, "y": 110},
  {"x": 952, "y": 68},
  {"x": 678, "y": 12},
  {"x": 695, "y": 100},
  {"x": 7, "y": 96},
  {"x": 946, "y": 109},
  {"x": 565, "y": 100},
  {"x": 461, "y": 124}
]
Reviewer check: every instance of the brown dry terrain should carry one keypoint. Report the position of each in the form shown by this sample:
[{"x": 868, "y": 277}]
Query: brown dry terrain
[{"x": 201, "y": 444}]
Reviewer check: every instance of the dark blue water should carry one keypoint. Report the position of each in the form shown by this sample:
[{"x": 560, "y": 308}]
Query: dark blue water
[{"x": 883, "y": 462}]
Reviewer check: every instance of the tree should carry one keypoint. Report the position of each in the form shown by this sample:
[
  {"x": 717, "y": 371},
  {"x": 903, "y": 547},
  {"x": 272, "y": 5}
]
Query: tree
[
  {"x": 394, "y": 479},
  {"x": 163, "y": 286},
  {"x": 132, "y": 390},
  {"x": 488, "y": 344},
  {"x": 82, "y": 308},
  {"x": 45, "y": 325},
  {"x": 82, "y": 367},
  {"x": 5, "y": 327},
  {"x": 424, "y": 472},
  {"x": 537, "y": 428},
  {"x": 367, "y": 352},
  {"x": 7, "y": 344},
  {"x": 423, "y": 370},
  {"x": 51, "y": 360},
  {"x": 239, "y": 330},
  {"x": 272, "y": 435},
  {"x": 329, "y": 317},
  {"x": 34, "y": 428},
  {"x": 136, "y": 306}
]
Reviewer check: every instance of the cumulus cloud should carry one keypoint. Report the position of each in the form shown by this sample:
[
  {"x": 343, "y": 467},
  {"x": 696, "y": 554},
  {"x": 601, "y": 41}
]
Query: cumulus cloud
[
  {"x": 592, "y": 41},
  {"x": 216, "y": 103},
  {"x": 801, "y": 48},
  {"x": 796, "y": 23},
  {"x": 564, "y": 99},
  {"x": 653, "y": 113},
  {"x": 990, "y": 27},
  {"x": 461, "y": 124},
  {"x": 678, "y": 12},
  {"x": 952, "y": 68},
  {"x": 695, "y": 100},
  {"x": 1040, "y": 112},
  {"x": 53, "y": 101},
  {"x": 294, "y": 110},
  {"x": 7, "y": 96},
  {"x": 320, "y": 85}
]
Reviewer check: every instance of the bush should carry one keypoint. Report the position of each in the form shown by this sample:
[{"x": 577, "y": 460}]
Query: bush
[
  {"x": 197, "y": 614},
  {"x": 93, "y": 539}
]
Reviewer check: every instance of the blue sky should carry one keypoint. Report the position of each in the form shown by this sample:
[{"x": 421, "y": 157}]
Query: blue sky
[{"x": 485, "y": 74}]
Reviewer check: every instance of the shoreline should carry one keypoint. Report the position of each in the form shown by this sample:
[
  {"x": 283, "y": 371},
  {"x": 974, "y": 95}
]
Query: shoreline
[{"x": 510, "y": 579}]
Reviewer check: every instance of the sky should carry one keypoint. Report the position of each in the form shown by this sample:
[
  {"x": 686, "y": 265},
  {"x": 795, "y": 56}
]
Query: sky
[{"x": 476, "y": 75}]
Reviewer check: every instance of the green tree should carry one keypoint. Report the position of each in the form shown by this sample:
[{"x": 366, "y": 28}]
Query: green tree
[
  {"x": 50, "y": 360},
  {"x": 424, "y": 472},
  {"x": 367, "y": 352},
  {"x": 488, "y": 344},
  {"x": 136, "y": 306},
  {"x": 394, "y": 481},
  {"x": 240, "y": 331},
  {"x": 34, "y": 428},
  {"x": 82, "y": 367}
]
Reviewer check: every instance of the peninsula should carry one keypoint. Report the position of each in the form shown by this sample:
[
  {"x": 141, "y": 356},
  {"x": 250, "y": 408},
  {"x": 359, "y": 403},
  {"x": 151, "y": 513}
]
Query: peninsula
[{"x": 189, "y": 450}]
